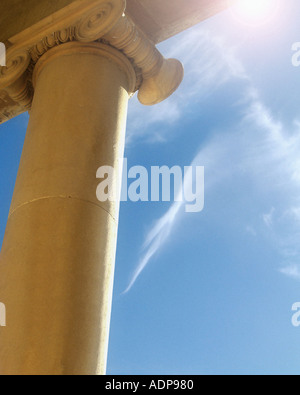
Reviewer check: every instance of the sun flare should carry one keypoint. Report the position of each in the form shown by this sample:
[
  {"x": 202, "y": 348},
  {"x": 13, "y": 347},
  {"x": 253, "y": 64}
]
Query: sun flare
[{"x": 255, "y": 12}]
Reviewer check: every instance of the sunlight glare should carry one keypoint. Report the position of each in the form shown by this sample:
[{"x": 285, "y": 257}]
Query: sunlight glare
[{"x": 255, "y": 12}]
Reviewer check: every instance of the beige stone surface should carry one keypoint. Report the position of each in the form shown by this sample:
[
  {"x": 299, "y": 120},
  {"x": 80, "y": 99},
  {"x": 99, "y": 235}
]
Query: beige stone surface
[
  {"x": 159, "y": 19},
  {"x": 18, "y": 15},
  {"x": 57, "y": 259},
  {"x": 162, "y": 19}
]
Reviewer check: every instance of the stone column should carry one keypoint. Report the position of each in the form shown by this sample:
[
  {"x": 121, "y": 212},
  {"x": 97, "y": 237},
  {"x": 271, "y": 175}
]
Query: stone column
[{"x": 57, "y": 258}]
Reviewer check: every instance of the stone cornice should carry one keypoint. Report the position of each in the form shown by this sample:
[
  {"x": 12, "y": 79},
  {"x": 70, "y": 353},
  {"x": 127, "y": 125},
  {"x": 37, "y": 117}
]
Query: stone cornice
[{"x": 85, "y": 21}]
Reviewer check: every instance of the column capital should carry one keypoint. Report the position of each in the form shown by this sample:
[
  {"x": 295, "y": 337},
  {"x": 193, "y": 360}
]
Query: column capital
[
  {"x": 86, "y": 21},
  {"x": 93, "y": 48}
]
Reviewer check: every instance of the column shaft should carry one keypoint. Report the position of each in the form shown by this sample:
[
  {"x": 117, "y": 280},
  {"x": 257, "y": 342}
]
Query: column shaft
[{"x": 57, "y": 259}]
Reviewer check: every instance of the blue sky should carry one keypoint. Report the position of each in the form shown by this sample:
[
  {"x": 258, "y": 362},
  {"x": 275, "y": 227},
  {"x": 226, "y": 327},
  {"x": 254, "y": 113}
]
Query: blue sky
[{"x": 216, "y": 294}]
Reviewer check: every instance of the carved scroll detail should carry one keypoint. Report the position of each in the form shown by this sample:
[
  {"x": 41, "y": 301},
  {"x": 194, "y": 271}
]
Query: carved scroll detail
[
  {"x": 17, "y": 64},
  {"x": 96, "y": 23},
  {"x": 14, "y": 78},
  {"x": 161, "y": 77}
]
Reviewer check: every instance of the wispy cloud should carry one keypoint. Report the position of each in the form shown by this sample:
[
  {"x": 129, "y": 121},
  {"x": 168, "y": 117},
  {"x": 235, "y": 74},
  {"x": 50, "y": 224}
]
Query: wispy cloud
[
  {"x": 161, "y": 231},
  {"x": 261, "y": 148},
  {"x": 156, "y": 238},
  {"x": 292, "y": 271},
  {"x": 268, "y": 218}
]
